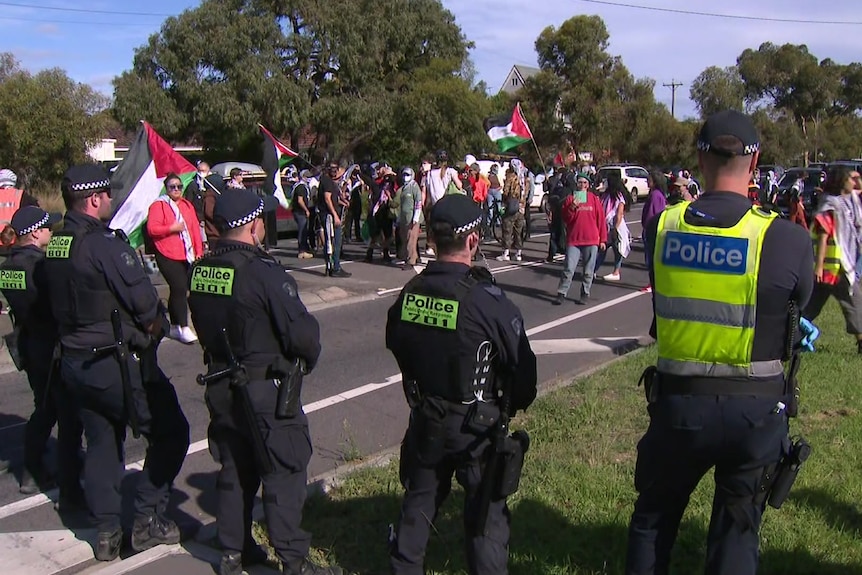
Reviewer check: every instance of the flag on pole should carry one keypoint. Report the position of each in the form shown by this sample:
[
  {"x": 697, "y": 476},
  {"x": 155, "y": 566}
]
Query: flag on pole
[
  {"x": 508, "y": 131},
  {"x": 275, "y": 157},
  {"x": 139, "y": 181}
]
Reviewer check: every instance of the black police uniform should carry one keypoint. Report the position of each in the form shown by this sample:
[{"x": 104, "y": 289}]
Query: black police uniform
[
  {"x": 92, "y": 271},
  {"x": 241, "y": 289},
  {"x": 740, "y": 434},
  {"x": 471, "y": 338},
  {"x": 22, "y": 275}
]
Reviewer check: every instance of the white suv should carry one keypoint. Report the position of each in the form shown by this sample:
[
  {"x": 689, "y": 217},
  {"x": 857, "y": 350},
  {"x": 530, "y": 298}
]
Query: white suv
[{"x": 634, "y": 178}]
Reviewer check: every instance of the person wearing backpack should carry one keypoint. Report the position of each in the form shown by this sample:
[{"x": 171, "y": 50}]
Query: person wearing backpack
[{"x": 513, "y": 216}]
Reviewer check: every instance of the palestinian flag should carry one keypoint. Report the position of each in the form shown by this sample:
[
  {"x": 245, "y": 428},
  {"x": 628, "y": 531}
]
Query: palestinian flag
[
  {"x": 275, "y": 157},
  {"x": 509, "y": 131},
  {"x": 139, "y": 181}
]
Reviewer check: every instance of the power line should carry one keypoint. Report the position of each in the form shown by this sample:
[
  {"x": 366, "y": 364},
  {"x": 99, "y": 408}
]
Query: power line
[
  {"x": 729, "y": 16},
  {"x": 85, "y": 23},
  {"x": 83, "y": 10}
]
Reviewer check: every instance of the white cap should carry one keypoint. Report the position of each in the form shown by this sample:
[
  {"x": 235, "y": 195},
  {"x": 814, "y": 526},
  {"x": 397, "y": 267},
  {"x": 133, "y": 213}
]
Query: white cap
[{"x": 470, "y": 159}]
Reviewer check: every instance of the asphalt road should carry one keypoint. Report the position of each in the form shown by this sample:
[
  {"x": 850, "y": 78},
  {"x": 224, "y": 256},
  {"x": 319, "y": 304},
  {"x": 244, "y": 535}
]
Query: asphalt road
[{"x": 353, "y": 397}]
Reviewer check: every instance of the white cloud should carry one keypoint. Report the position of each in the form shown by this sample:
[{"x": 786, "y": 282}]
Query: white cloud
[{"x": 660, "y": 45}]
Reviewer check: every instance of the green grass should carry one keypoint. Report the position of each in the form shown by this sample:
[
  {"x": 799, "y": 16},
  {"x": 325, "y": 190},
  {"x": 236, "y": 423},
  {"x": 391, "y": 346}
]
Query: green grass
[{"x": 572, "y": 512}]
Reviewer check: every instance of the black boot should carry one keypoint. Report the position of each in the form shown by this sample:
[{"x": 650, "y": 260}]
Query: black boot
[
  {"x": 231, "y": 563},
  {"x": 386, "y": 257},
  {"x": 108, "y": 545},
  {"x": 150, "y": 531},
  {"x": 369, "y": 255}
]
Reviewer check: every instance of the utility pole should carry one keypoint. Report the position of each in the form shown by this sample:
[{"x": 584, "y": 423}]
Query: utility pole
[{"x": 673, "y": 86}]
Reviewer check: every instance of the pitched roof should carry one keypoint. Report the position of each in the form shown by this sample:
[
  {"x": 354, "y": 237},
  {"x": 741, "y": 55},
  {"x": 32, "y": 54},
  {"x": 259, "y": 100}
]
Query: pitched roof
[{"x": 526, "y": 71}]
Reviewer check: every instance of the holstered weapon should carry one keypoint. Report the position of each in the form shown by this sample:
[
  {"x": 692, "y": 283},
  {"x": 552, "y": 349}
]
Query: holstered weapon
[
  {"x": 239, "y": 385},
  {"x": 287, "y": 404},
  {"x": 788, "y": 469},
  {"x": 11, "y": 340},
  {"x": 493, "y": 467},
  {"x": 121, "y": 352}
]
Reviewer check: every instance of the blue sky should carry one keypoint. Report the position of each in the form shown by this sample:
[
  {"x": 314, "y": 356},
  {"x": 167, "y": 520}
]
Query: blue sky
[{"x": 94, "y": 47}]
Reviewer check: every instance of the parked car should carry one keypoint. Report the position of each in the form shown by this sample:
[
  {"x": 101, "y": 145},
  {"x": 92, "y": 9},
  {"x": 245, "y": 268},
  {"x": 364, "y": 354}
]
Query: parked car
[
  {"x": 809, "y": 196},
  {"x": 253, "y": 177},
  {"x": 634, "y": 178}
]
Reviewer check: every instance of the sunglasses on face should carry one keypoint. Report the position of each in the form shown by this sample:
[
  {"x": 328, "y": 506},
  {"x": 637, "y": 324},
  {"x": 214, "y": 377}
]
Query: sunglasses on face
[{"x": 175, "y": 187}]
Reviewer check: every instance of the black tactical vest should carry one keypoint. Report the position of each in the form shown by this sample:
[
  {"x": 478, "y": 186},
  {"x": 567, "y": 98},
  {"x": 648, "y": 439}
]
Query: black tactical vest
[
  {"x": 444, "y": 366},
  {"x": 80, "y": 296},
  {"x": 215, "y": 303}
]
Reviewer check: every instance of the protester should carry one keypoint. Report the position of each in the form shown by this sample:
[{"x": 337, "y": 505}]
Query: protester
[
  {"x": 837, "y": 232},
  {"x": 439, "y": 181},
  {"x": 410, "y": 218},
  {"x": 299, "y": 204},
  {"x": 236, "y": 179},
  {"x": 655, "y": 205},
  {"x": 616, "y": 202},
  {"x": 176, "y": 233},
  {"x": 513, "y": 216},
  {"x": 586, "y": 234}
]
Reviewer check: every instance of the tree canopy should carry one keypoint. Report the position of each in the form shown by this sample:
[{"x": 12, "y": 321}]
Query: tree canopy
[
  {"x": 382, "y": 76},
  {"x": 47, "y": 120}
]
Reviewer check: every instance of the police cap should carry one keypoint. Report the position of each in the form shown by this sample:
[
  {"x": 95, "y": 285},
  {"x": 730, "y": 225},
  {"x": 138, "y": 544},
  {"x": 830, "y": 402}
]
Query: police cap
[
  {"x": 31, "y": 218},
  {"x": 458, "y": 211},
  {"x": 238, "y": 207},
  {"x": 84, "y": 180},
  {"x": 728, "y": 133}
]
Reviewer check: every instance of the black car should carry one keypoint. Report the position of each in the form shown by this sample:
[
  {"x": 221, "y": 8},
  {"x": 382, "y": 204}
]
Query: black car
[{"x": 812, "y": 181}]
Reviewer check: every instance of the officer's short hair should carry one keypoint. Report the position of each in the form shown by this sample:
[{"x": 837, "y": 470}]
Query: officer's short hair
[{"x": 445, "y": 239}]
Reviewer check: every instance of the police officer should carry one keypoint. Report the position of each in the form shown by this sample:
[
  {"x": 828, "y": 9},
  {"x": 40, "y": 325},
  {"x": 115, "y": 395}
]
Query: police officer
[
  {"x": 30, "y": 229},
  {"x": 240, "y": 289},
  {"x": 91, "y": 273},
  {"x": 724, "y": 275},
  {"x": 462, "y": 350}
]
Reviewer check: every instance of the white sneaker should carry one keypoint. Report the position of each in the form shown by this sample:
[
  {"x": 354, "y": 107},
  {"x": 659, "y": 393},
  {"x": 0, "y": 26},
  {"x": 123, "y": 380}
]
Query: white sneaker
[
  {"x": 518, "y": 257},
  {"x": 504, "y": 257},
  {"x": 429, "y": 252},
  {"x": 175, "y": 332},
  {"x": 612, "y": 277},
  {"x": 187, "y": 335}
]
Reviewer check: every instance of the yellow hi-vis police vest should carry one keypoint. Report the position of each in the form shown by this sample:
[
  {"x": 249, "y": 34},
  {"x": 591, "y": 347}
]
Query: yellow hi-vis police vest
[{"x": 705, "y": 296}]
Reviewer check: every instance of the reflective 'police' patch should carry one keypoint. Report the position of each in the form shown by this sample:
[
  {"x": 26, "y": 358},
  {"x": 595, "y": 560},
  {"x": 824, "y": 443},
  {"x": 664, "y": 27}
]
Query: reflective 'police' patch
[
  {"x": 288, "y": 287},
  {"x": 430, "y": 311},
  {"x": 212, "y": 280},
  {"x": 705, "y": 253},
  {"x": 129, "y": 259},
  {"x": 517, "y": 325},
  {"x": 13, "y": 279},
  {"x": 59, "y": 247}
]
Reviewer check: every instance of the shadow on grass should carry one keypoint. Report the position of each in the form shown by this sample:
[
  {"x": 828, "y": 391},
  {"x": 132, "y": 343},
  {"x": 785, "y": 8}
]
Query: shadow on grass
[{"x": 840, "y": 515}]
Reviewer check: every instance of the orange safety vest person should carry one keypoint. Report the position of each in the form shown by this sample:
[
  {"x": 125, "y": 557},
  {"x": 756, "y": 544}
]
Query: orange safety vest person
[{"x": 10, "y": 201}]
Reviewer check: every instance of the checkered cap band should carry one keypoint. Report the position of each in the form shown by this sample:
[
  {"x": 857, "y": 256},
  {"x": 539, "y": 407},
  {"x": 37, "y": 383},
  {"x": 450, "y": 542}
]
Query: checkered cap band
[
  {"x": 746, "y": 150},
  {"x": 35, "y": 226},
  {"x": 468, "y": 227},
  {"x": 248, "y": 218},
  {"x": 85, "y": 186}
]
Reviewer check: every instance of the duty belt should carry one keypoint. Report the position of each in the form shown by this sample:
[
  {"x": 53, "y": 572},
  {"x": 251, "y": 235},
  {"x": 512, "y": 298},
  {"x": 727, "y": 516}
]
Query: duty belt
[
  {"x": 704, "y": 386},
  {"x": 254, "y": 373}
]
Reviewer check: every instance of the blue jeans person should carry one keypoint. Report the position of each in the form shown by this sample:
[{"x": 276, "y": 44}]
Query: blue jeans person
[
  {"x": 301, "y": 231},
  {"x": 574, "y": 254},
  {"x": 613, "y": 242},
  {"x": 495, "y": 198}
]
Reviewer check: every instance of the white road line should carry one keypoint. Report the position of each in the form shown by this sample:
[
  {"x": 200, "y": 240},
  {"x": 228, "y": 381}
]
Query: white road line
[
  {"x": 578, "y": 345},
  {"x": 43, "y": 498}
]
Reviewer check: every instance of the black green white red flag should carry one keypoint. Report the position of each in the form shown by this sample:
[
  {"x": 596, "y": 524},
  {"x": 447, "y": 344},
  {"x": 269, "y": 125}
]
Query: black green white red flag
[
  {"x": 276, "y": 156},
  {"x": 508, "y": 131},
  {"x": 139, "y": 181}
]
